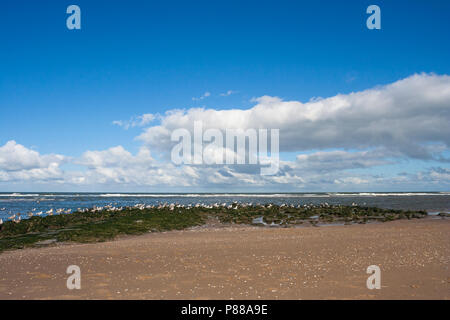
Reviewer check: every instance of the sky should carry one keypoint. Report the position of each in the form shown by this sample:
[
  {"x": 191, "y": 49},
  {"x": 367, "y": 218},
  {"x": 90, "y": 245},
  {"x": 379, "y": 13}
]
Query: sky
[{"x": 93, "y": 109}]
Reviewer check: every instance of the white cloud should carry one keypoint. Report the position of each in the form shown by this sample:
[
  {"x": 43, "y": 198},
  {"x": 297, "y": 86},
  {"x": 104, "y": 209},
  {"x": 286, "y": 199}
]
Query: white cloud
[
  {"x": 337, "y": 141},
  {"x": 203, "y": 96},
  {"x": 18, "y": 163},
  {"x": 115, "y": 157},
  {"x": 118, "y": 166},
  {"x": 138, "y": 121},
  {"x": 406, "y": 116},
  {"x": 228, "y": 93}
]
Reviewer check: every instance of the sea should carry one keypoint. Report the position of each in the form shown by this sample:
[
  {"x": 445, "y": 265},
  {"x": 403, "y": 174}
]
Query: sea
[{"x": 22, "y": 202}]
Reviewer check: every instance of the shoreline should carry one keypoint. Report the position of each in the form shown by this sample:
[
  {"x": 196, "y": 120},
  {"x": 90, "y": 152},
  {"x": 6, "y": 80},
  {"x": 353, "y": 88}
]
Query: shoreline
[{"x": 242, "y": 262}]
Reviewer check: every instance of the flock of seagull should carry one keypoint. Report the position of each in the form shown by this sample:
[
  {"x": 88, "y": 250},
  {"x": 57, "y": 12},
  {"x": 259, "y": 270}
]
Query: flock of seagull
[{"x": 17, "y": 217}]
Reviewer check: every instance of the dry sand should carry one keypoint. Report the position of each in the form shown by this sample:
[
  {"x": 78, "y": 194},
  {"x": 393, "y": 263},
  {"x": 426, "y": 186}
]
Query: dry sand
[{"x": 243, "y": 263}]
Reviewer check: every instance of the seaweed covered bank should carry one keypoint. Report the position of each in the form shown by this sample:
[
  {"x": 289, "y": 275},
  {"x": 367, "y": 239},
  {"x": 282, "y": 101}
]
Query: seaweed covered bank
[{"x": 105, "y": 223}]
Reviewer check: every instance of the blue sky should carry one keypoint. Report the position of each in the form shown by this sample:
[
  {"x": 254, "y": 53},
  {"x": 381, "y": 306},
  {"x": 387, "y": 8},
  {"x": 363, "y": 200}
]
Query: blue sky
[{"x": 61, "y": 90}]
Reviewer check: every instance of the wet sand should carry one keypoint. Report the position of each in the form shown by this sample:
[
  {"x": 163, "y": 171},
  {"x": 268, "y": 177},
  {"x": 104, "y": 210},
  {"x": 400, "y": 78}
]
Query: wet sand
[{"x": 242, "y": 263}]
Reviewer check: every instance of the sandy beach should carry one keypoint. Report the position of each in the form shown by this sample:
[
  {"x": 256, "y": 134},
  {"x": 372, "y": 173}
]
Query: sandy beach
[{"x": 242, "y": 262}]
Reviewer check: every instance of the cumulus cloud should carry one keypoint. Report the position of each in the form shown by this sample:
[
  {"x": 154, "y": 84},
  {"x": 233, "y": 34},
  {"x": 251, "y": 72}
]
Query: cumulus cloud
[
  {"x": 336, "y": 143},
  {"x": 115, "y": 157},
  {"x": 408, "y": 116},
  {"x": 18, "y": 163},
  {"x": 118, "y": 166}
]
